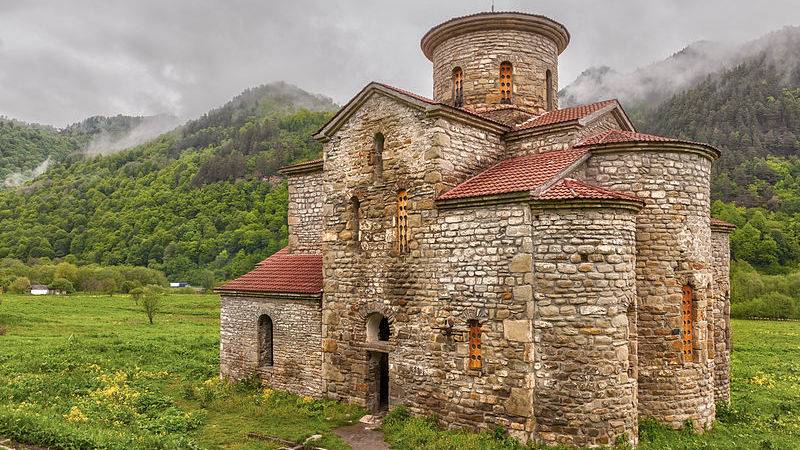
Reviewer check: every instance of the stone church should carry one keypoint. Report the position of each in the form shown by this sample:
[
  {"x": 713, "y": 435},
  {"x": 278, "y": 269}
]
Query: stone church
[{"x": 493, "y": 259}]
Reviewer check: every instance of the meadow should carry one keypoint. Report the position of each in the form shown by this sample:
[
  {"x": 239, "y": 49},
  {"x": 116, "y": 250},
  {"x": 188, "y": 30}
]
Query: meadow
[{"x": 86, "y": 371}]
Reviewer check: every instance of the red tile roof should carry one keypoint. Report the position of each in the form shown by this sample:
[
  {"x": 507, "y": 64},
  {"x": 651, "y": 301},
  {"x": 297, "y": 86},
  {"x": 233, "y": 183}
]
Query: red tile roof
[
  {"x": 564, "y": 115},
  {"x": 524, "y": 173},
  {"x": 614, "y": 136},
  {"x": 568, "y": 189},
  {"x": 282, "y": 273}
]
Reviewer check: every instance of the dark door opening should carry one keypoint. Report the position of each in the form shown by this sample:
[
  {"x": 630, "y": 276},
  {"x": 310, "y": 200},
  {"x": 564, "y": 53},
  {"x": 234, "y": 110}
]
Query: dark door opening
[{"x": 383, "y": 382}]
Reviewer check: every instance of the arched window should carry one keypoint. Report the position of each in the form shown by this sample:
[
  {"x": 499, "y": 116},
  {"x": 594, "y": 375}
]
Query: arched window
[
  {"x": 506, "y": 82},
  {"x": 377, "y": 156},
  {"x": 377, "y": 327},
  {"x": 265, "y": 341},
  {"x": 549, "y": 87},
  {"x": 355, "y": 207},
  {"x": 402, "y": 222},
  {"x": 475, "y": 358},
  {"x": 458, "y": 87},
  {"x": 687, "y": 316}
]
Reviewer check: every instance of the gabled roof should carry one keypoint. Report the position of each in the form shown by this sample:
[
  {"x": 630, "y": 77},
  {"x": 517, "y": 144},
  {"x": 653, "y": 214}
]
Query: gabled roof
[
  {"x": 570, "y": 189},
  {"x": 521, "y": 174},
  {"x": 281, "y": 273},
  {"x": 614, "y": 136},
  {"x": 411, "y": 99},
  {"x": 581, "y": 114}
]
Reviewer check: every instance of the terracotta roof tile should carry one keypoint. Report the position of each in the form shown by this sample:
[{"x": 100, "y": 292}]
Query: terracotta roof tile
[
  {"x": 282, "y": 273},
  {"x": 569, "y": 189},
  {"x": 614, "y": 136},
  {"x": 564, "y": 115},
  {"x": 524, "y": 173}
]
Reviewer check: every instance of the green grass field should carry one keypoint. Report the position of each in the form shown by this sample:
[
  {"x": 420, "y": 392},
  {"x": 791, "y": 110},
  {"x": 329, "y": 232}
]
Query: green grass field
[{"x": 89, "y": 372}]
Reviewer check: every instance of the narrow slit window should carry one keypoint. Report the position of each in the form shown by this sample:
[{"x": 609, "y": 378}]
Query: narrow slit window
[
  {"x": 355, "y": 206},
  {"x": 475, "y": 357},
  {"x": 506, "y": 82},
  {"x": 458, "y": 87},
  {"x": 687, "y": 314},
  {"x": 402, "y": 222},
  {"x": 377, "y": 156},
  {"x": 265, "y": 357},
  {"x": 549, "y": 87}
]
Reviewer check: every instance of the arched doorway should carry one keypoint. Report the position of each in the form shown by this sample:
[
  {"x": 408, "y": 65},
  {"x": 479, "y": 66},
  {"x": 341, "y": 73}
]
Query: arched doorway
[{"x": 378, "y": 332}]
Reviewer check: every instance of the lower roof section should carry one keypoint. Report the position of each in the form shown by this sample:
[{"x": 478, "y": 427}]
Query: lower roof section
[{"x": 283, "y": 273}]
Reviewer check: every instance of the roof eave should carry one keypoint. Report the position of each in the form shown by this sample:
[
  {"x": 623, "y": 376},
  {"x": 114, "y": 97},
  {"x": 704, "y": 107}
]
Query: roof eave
[
  {"x": 614, "y": 108},
  {"x": 302, "y": 168},
  {"x": 620, "y": 203},
  {"x": 698, "y": 148},
  {"x": 524, "y": 133},
  {"x": 261, "y": 294}
]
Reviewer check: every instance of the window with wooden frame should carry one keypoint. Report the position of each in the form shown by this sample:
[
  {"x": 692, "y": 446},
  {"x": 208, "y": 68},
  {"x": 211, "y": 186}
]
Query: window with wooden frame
[
  {"x": 506, "y": 82},
  {"x": 402, "y": 222},
  {"x": 687, "y": 315},
  {"x": 475, "y": 358},
  {"x": 458, "y": 87},
  {"x": 549, "y": 87}
]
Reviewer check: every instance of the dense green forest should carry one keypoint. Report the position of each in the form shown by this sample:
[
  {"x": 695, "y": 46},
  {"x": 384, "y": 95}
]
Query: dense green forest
[
  {"x": 752, "y": 113},
  {"x": 202, "y": 198},
  {"x": 24, "y": 146}
]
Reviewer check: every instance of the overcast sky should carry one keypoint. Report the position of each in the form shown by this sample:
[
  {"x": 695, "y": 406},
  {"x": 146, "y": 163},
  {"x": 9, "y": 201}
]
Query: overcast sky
[{"x": 62, "y": 61}]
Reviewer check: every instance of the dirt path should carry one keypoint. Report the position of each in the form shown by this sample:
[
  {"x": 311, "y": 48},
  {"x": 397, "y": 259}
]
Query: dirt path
[{"x": 363, "y": 435}]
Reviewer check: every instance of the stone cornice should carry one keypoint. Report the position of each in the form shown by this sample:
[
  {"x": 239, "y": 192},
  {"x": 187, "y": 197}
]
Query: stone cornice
[
  {"x": 697, "y": 148},
  {"x": 275, "y": 295},
  {"x": 631, "y": 205},
  {"x": 302, "y": 168},
  {"x": 532, "y": 23},
  {"x": 719, "y": 228},
  {"x": 498, "y": 199}
]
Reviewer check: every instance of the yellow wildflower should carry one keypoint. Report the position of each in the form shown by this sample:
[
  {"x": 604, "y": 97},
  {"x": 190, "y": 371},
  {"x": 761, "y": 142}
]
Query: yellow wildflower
[{"x": 76, "y": 415}]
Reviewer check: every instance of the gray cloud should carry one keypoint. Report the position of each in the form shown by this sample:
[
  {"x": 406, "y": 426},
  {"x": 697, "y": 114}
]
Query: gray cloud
[{"x": 63, "y": 61}]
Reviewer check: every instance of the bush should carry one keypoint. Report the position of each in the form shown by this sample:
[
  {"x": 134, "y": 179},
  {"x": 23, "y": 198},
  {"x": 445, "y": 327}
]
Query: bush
[
  {"x": 62, "y": 284},
  {"x": 773, "y": 305},
  {"x": 21, "y": 285}
]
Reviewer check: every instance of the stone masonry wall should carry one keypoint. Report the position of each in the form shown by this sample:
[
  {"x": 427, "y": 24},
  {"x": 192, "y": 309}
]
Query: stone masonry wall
[
  {"x": 480, "y": 53},
  {"x": 296, "y": 336},
  {"x": 673, "y": 240},
  {"x": 305, "y": 212},
  {"x": 560, "y": 140},
  {"x": 722, "y": 315},
  {"x": 584, "y": 286},
  {"x": 453, "y": 266}
]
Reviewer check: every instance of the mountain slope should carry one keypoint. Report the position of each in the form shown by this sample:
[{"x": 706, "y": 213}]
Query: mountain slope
[{"x": 198, "y": 198}]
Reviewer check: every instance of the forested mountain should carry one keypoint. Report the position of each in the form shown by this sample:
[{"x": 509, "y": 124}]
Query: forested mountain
[
  {"x": 203, "y": 197},
  {"x": 24, "y": 147},
  {"x": 750, "y": 109},
  {"x": 27, "y": 150}
]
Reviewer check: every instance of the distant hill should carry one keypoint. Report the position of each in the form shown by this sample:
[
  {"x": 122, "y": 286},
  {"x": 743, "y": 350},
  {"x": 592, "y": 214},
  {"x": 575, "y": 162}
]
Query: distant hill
[
  {"x": 746, "y": 101},
  {"x": 201, "y": 197}
]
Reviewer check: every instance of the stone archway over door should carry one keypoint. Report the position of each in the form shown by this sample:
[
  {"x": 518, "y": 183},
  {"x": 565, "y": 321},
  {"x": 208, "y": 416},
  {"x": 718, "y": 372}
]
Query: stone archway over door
[{"x": 378, "y": 382}]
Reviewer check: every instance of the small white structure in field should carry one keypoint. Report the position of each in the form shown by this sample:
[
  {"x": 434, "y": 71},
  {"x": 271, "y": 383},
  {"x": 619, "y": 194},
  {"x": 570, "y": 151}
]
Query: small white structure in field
[
  {"x": 39, "y": 289},
  {"x": 180, "y": 284}
]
